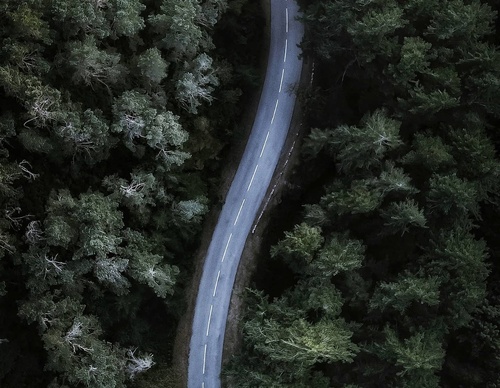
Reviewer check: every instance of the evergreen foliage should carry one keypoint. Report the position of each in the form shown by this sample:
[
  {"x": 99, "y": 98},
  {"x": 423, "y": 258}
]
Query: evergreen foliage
[
  {"x": 115, "y": 118},
  {"x": 404, "y": 145}
]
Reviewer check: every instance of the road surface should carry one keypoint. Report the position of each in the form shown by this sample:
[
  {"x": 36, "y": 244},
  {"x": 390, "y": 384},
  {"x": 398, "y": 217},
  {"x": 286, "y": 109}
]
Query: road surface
[{"x": 245, "y": 196}]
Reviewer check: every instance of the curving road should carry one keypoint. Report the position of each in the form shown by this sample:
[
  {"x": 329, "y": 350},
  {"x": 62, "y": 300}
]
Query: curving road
[{"x": 245, "y": 196}]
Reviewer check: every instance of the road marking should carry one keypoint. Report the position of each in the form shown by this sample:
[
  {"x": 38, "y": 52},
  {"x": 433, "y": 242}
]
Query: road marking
[
  {"x": 225, "y": 250},
  {"x": 216, "y": 284},
  {"x": 239, "y": 211},
  {"x": 282, "y": 75},
  {"x": 286, "y": 48},
  {"x": 209, "y": 318},
  {"x": 204, "y": 358},
  {"x": 275, "y": 108},
  {"x": 264, "y": 146},
  {"x": 286, "y": 11},
  {"x": 203, "y": 385},
  {"x": 253, "y": 176}
]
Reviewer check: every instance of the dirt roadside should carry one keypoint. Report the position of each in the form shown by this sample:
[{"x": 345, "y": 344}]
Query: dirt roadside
[{"x": 252, "y": 248}]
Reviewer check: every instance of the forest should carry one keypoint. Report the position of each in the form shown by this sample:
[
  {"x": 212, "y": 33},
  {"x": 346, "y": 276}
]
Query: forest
[
  {"x": 115, "y": 118},
  {"x": 381, "y": 261}
]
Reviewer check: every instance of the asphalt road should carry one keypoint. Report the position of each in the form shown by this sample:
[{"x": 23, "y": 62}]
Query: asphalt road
[{"x": 245, "y": 196}]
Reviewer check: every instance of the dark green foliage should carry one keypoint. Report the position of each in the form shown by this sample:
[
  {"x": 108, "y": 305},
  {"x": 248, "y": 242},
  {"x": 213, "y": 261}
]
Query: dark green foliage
[
  {"x": 400, "y": 216},
  {"x": 449, "y": 194},
  {"x": 408, "y": 288},
  {"x": 418, "y": 357},
  {"x": 405, "y": 220},
  {"x": 338, "y": 255},
  {"x": 298, "y": 247},
  {"x": 429, "y": 152},
  {"x": 359, "y": 147},
  {"x": 459, "y": 259},
  {"x": 114, "y": 115},
  {"x": 289, "y": 344}
]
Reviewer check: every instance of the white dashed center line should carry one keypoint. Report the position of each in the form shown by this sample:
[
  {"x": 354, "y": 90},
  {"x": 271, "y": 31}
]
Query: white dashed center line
[
  {"x": 275, "y": 108},
  {"x": 264, "y": 145},
  {"x": 225, "y": 249},
  {"x": 286, "y": 12},
  {"x": 216, "y": 284},
  {"x": 239, "y": 212},
  {"x": 286, "y": 48},
  {"x": 204, "y": 358},
  {"x": 282, "y": 75},
  {"x": 253, "y": 176},
  {"x": 209, "y": 318}
]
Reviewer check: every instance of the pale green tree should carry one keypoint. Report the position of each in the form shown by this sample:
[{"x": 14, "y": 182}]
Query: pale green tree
[
  {"x": 85, "y": 135},
  {"x": 27, "y": 22},
  {"x": 152, "y": 66},
  {"x": 26, "y": 56},
  {"x": 190, "y": 211},
  {"x": 299, "y": 246},
  {"x": 127, "y": 18},
  {"x": 132, "y": 112},
  {"x": 419, "y": 357},
  {"x": 361, "y": 197},
  {"x": 450, "y": 194},
  {"x": 416, "y": 56},
  {"x": 111, "y": 271},
  {"x": 82, "y": 16},
  {"x": 429, "y": 102},
  {"x": 178, "y": 28},
  {"x": 46, "y": 270},
  {"x": 148, "y": 267},
  {"x": 92, "y": 226},
  {"x": 460, "y": 260},
  {"x": 60, "y": 230},
  {"x": 302, "y": 343},
  {"x": 315, "y": 215},
  {"x": 317, "y": 294},
  {"x": 93, "y": 66},
  {"x": 394, "y": 179},
  {"x": 476, "y": 157},
  {"x": 75, "y": 352},
  {"x": 339, "y": 254},
  {"x": 43, "y": 105},
  {"x": 408, "y": 288},
  {"x": 141, "y": 124},
  {"x": 196, "y": 84},
  {"x": 400, "y": 216},
  {"x": 365, "y": 146},
  {"x": 469, "y": 20},
  {"x": 99, "y": 224},
  {"x": 431, "y": 152},
  {"x": 140, "y": 194},
  {"x": 374, "y": 29},
  {"x": 211, "y": 12}
]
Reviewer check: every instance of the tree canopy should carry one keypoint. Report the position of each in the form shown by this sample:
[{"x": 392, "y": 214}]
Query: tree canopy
[
  {"x": 391, "y": 211},
  {"x": 116, "y": 117}
]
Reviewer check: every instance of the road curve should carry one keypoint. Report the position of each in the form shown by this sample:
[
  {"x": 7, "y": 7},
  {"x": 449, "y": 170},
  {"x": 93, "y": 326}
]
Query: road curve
[{"x": 245, "y": 196}]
